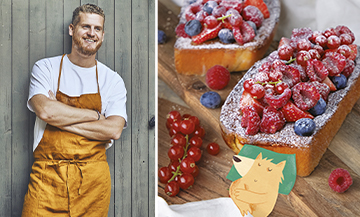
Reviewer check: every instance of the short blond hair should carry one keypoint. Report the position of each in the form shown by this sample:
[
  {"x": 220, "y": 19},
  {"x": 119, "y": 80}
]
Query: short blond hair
[{"x": 86, "y": 8}]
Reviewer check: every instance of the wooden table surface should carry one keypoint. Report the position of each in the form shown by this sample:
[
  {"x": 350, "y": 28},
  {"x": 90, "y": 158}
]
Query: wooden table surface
[{"x": 311, "y": 196}]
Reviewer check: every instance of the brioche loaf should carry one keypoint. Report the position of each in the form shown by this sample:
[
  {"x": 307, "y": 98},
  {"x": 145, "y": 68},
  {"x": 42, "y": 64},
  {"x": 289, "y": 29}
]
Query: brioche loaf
[
  {"x": 192, "y": 59},
  {"x": 308, "y": 149}
]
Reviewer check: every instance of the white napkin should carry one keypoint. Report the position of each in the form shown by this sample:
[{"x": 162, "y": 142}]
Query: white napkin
[{"x": 223, "y": 206}]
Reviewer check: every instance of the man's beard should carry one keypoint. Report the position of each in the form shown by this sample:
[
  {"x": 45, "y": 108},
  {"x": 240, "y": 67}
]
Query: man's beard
[{"x": 84, "y": 50}]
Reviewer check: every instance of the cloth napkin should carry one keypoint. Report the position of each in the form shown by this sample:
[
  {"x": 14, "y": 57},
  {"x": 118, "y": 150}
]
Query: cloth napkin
[{"x": 223, "y": 206}]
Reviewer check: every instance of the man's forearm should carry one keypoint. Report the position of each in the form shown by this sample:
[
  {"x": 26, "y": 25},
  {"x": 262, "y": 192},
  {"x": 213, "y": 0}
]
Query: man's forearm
[
  {"x": 59, "y": 114},
  {"x": 104, "y": 129}
]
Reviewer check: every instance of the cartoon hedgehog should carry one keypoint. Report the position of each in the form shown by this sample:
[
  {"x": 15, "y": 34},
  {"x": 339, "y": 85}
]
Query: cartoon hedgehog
[{"x": 257, "y": 191}]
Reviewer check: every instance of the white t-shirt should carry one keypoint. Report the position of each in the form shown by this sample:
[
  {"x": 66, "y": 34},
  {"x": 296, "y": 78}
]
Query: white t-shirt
[{"x": 74, "y": 82}]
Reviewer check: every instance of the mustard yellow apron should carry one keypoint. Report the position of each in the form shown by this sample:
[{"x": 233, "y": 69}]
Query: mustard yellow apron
[{"x": 70, "y": 175}]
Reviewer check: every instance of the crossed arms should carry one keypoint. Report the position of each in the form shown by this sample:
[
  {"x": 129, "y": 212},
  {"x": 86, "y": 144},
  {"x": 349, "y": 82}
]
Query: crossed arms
[{"x": 76, "y": 120}]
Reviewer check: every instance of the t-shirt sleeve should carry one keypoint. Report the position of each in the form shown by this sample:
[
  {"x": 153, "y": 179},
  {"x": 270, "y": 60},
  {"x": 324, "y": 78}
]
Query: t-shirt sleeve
[
  {"x": 116, "y": 101},
  {"x": 40, "y": 80}
]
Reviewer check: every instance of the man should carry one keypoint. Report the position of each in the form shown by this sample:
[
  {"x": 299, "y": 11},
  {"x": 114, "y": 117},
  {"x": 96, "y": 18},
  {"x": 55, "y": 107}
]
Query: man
[{"x": 80, "y": 106}]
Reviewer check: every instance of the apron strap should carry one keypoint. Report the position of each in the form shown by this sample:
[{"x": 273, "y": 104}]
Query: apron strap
[{"x": 60, "y": 69}]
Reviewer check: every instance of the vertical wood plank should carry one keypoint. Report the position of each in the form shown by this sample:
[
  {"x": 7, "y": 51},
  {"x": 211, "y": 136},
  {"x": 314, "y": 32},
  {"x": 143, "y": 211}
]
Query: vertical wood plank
[
  {"x": 37, "y": 50},
  {"x": 123, "y": 147},
  {"x": 69, "y": 7},
  {"x": 54, "y": 28},
  {"x": 152, "y": 105},
  {"x": 106, "y": 55},
  {"x": 140, "y": 85},
  {"x": 20, "y": 114},
  {"x": 5, "y": 109}
]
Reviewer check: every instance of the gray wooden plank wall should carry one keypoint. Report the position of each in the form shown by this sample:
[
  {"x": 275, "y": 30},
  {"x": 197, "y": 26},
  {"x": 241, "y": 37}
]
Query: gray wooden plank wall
[{"x": 34, "y": 29}]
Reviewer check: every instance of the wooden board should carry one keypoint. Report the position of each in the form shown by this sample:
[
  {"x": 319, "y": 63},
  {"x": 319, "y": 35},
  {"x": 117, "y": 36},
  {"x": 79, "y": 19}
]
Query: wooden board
[{"x": 311, "y": 196}]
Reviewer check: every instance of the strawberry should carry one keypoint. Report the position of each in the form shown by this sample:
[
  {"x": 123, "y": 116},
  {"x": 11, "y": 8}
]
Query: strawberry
[
  {"x": 251, "y": 120},
  {"x": 292, "y": 113},
  {"x": 227, "y": 25},
  {"x": 353, "y": 52},
  {"x": 329, "y": 83},
  {"x": 207, "y": 34},
  {"x": 260, "y": 4},
  {"x": 247, "y": 32},
  {"x": 237, "y": 35},
  {"x": 247, "y": 99},
  {"x": 217, "y": 77},
  {"x": 272, "y": 120}
]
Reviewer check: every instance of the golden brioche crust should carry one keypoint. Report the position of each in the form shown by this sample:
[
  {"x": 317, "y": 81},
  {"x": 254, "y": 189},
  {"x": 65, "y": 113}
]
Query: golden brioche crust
[{"x": 308, "y": 150}]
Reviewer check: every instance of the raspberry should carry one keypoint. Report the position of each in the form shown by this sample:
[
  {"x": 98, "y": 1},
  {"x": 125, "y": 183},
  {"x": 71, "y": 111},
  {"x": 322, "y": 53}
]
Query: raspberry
[
  {"x": 259, "y": 4},
  {"x": 180, "y": 31},
  {"x": 340, "y": 180},
  {"x": 334, "y": 63},
  {"x": 303, "y": 76},
  {"x": 323, "y": 89},
  {"x": 315, "y": 70},
  {"x": 349, "y": 68},
  {"x": 247, "y": 32},
  {"x": 305, "y": 95},
  {"x": 217, "y": 77},
  {"x": 291, "y": 76},
  {"x": 301, "y": 33},
  {"x": 278, "y": 101},
  {"x": 272, "y": 120},
  {"x": 250, "y": 120},
  {"x": 253, "y": 14}
]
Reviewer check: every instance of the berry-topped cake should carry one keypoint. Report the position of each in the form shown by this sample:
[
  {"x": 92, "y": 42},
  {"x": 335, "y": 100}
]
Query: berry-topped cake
[
  {"x": 231, "y": 33},
  {"x": 295, "y": 100}
]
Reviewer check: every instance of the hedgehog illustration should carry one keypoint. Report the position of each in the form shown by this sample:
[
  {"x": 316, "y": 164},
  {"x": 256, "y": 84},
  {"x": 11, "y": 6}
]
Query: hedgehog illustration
[{"x": 257, "y": 191}]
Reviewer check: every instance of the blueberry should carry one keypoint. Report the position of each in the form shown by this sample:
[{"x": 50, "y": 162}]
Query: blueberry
[
  {"x": 209, "y": 6},
  {"x": 253, "y": 25},
  {"x": 193, "y": 27},
  {"x": 226, "y": 36},
  {"x": 339, "y": 81},
  {"x": 304, "y": 127},
  {"x": 210, "y": 99},
  {"x": 319, "y": 108},
  {"x": 161, "y": 37}
]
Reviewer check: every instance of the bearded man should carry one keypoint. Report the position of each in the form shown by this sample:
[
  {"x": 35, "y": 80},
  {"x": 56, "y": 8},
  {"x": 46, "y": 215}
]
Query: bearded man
[{"x": 80, "y": 107}]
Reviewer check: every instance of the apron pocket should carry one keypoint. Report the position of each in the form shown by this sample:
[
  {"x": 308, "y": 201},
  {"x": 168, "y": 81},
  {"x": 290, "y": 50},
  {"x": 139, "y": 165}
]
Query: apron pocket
[{"x": 54, "y": 194}]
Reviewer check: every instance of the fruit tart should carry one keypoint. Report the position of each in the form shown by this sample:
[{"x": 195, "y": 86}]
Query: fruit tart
[
  {"x": 231, "y": 33},
  {"x": 295, "y": 100}
]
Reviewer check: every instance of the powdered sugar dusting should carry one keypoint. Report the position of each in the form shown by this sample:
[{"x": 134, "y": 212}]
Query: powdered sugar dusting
[
  {"x": 230, "y": 116},
  {"x": 263, "y": 32}
]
